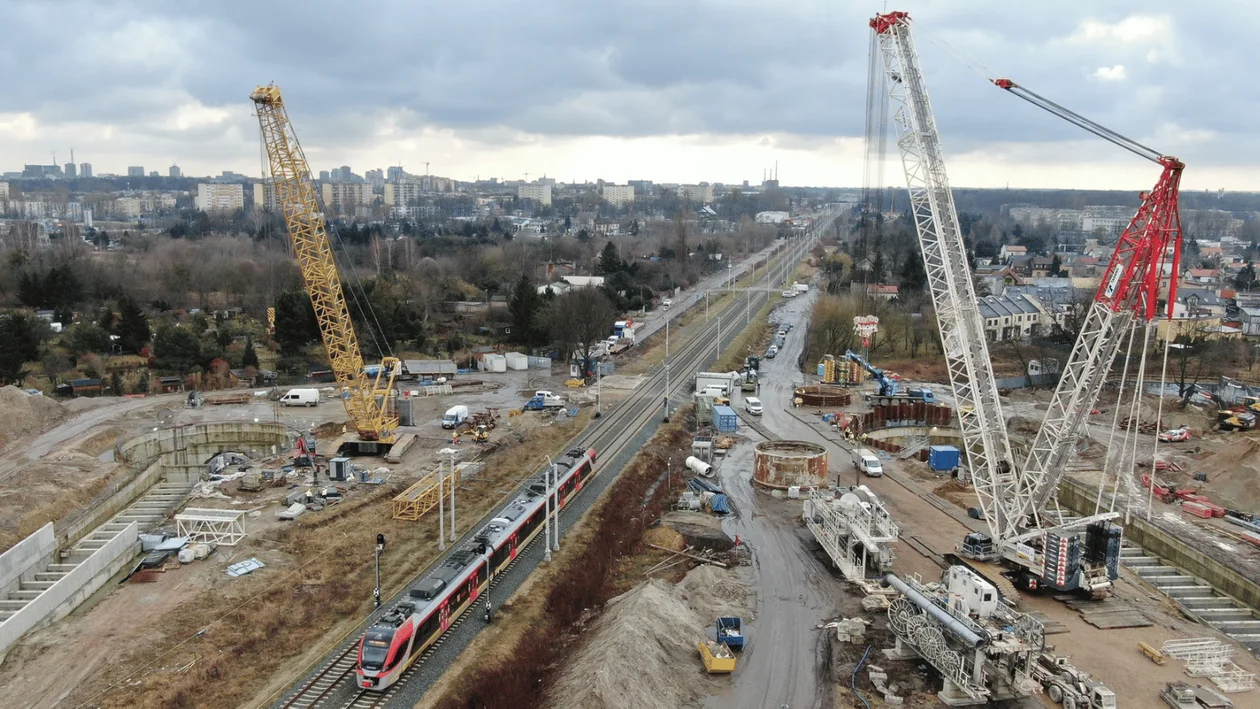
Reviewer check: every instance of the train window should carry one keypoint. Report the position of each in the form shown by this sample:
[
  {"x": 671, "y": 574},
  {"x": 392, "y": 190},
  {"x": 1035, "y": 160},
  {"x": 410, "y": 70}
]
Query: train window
[
  {"x": 376, "y": 649},
  {"x": 399, "y": 654},
  {"x": 429, "y": 627}
]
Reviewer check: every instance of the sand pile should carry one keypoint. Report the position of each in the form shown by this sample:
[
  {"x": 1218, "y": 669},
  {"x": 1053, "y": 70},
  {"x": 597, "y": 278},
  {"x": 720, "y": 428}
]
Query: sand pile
[
  {"x": 23, "y": 414},
  {"x": 1234, "y": 474},
  {"x": 641, "y": 651},
  {"x": 714, "y": 591}
]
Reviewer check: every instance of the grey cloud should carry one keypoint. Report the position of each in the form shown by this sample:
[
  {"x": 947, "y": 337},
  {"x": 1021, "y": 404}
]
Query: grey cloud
[{"x": 620, "y": 68}]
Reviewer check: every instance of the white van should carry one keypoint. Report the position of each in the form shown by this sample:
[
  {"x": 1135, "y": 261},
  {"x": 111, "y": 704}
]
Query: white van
[
  {"x": 752, "y": 405},
  {"x": 867, "y": 462},
  {"x": 454, "y": 416},
  {"x": 300, "y": 397}
]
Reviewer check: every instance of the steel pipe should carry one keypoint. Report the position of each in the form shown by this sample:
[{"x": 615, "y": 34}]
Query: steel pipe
[{"x": 952, "y": 624}]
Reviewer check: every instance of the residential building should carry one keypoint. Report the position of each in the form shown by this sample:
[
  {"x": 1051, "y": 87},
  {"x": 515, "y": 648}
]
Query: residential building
[
  {"x": 583, "y": 281},
  {"x": 772, "y": 217},
  {"x": 539, "y": 193},
  {"x": 1195, "y": 303},
  {"x": 1109, "y": 218},
  {"x": 1010, "y": 251},
  {"x": 264, "y": 195},
  {"x": 220, "y": 197},
  {"x": 70, "y": 170},
  {"x": 324, "y": 176},
  {"x": 174, "y": 171},
  {"x": 1249, "y": 319},
  {"x": 135, "y": 171},
  {"x": 4, "y": 190},
  {"x": 1013, "y": 317},
  {"x": 154, "y": 173},
  {"x": 347, "y": 198},
  {"x": 85, "y": 169},
  {"x": 620, "y": 195},
  {"x": 608, "y": 227},
  {"x": 702, "y": 192},
  {"x": 1203, "y": 277},
  {"x": 394, "y": 173},
  {"x": 46, "y": 209}
]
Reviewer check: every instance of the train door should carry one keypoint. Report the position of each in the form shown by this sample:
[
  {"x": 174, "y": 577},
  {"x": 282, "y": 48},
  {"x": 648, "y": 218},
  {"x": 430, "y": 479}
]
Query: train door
[{"x": 444, "y": 616}]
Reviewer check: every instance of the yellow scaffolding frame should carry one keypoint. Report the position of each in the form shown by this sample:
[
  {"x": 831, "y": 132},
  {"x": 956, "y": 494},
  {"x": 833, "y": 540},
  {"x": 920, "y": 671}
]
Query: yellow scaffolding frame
[{"x": 411, "y": 504}]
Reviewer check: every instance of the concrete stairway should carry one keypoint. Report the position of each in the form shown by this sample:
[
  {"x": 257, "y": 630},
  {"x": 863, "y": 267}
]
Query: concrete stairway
[
  {"x": 1196, "y": 596},
  {"x": 149, "y": 511}
]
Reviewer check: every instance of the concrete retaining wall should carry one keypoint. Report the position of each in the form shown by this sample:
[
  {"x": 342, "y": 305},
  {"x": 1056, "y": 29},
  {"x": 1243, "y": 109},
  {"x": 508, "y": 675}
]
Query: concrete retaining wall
[
  {"x": 27, "y": 558},
  {"x": 73, "y": 588},
  {"x": 174, "y": 454},
  {"x": 1170, "y": 549}
]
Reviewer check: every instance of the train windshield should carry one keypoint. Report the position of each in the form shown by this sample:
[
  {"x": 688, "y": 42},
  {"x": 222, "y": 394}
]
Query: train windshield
[{"x": 376, "y": 648}]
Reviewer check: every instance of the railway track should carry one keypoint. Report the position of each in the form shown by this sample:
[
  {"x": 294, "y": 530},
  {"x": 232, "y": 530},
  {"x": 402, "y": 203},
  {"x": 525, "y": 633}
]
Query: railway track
[{"x": 614, "y": 436}]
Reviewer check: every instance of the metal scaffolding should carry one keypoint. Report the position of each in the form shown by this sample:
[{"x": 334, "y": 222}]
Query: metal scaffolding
[{"x": 222, "y": 527}]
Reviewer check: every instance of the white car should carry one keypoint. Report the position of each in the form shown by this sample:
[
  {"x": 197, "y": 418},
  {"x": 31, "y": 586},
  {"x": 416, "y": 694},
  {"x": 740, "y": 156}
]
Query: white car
[
  {"x": 666, "y": 303},
  {"x": 752, "y": 405},
  {"x": 788, "y": 294}
]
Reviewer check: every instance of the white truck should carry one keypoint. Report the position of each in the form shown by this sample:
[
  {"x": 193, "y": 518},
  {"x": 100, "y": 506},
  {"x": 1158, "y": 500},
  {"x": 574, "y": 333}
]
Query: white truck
[
  {"x": 1066, "y": 685},
  {"x": 865, "y": 460},
  {"x": 300, "y": 397},
  {"x": 727, "y": 381},
  {"x": 800, "y": 287},
  {"x": 454, "y": 416}
]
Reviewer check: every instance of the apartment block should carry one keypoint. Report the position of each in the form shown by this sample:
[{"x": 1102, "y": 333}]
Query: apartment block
[
  {"x": 539, "y": 193},
  {"x": 220, "y": 198},
  {"x": 620, "y": 195},
  {"x": 346, "y": 198}
]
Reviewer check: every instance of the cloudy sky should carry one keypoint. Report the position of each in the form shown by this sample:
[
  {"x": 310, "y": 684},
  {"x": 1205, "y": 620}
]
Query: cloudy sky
[{"x": 669, "y": 90}]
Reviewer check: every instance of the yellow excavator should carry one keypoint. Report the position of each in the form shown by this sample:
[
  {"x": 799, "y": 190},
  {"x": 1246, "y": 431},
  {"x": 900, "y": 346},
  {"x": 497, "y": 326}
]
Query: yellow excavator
[{"x": 368, "y": 396}]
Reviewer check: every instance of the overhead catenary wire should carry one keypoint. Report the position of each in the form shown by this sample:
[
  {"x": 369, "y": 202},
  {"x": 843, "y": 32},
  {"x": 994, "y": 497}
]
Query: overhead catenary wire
[{"x": 1163, "y": 382}]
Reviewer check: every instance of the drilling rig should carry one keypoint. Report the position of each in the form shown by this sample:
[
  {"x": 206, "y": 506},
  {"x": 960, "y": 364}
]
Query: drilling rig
[{"x": 368, "y": 398}]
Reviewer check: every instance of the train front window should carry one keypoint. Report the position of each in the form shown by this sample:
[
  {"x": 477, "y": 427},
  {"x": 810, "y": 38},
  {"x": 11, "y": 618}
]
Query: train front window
[{"x": 376, "y": 649}]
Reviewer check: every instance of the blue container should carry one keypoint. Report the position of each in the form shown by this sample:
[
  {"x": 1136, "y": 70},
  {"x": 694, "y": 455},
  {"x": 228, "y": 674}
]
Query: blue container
[
  {"x": 822, "y": 370},
  {"x": 724, "y": 419},
  {"x": 943, "y": 457}
]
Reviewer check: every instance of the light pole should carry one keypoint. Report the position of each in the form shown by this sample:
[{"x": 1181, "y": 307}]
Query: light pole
[
  {"x": 451, "y": 453},
  {"x": 666, "y": 335},
  {"x": 555, "y": 508},
  {"x": 599, "y": 378},
  {"x": 376, "y": 592},
  {"x": 666, "y": 402},
  {"x": 729, "y": 276},
  {"x": 706, "y": 306}
]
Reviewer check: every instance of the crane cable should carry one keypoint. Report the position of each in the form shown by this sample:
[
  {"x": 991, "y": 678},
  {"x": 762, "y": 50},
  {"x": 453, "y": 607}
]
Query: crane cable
[
  {"x": 1115, "y": 424},
  {"x": 1042, "y": 102},
  {"x": 1159, "y": 416}
]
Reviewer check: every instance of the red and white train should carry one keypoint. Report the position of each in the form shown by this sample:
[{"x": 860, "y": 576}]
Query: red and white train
[{"x": 390, "y": 646}]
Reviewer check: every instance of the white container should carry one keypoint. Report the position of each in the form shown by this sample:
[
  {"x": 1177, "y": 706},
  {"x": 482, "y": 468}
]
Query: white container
[
  {"x": 516, "y": 361},
  {"x": 186, "y": 555},
  {"x": 495, "y": 363},
  {"x": 794, "y": 492}
]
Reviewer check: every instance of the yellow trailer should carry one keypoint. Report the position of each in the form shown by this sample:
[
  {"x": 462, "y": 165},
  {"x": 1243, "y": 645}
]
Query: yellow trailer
[{"x": 717, "y": 657}]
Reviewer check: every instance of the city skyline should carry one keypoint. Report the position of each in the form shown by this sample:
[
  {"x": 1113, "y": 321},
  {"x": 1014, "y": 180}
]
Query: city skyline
[{"x": 675, "y": 93}]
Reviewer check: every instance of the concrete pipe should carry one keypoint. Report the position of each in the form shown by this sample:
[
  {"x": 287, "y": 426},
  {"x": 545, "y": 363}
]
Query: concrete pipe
[{"x": 699, "y": 467}]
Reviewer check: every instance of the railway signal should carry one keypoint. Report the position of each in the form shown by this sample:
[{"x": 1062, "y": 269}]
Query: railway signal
[{"x": 376, "y": 592}]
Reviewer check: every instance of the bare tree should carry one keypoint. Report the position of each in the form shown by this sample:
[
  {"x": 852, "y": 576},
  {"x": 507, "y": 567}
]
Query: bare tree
[{"x": 580, "y": 319}]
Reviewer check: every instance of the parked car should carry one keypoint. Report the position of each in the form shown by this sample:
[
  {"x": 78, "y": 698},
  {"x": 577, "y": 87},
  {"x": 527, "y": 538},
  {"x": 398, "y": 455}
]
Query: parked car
[
  {"x": 789, "y": 294},
  {"x": 770, "y": 353},
  {"x": 752, "y": 405},
  {"x": 666, "y": 303}
]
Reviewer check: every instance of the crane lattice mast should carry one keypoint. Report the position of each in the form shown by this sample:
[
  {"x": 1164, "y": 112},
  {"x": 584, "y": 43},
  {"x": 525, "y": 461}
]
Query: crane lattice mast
[
  {"x": 367, "y": 398},
  {"x": 1128, "y": 296},
  {"x": 987, "y": 445}
]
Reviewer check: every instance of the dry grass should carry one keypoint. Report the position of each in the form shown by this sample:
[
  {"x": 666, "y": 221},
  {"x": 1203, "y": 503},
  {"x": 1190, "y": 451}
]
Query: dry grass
[
  {"x": 600, "y": 558},
  {"x": 268, "y": 625},
  {"x": 98, "y": 443},
  {"x": 754, "y": 338}
]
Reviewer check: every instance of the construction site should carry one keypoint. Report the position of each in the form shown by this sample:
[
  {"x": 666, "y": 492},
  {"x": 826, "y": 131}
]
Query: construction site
[{"x": 737, "y": 525}]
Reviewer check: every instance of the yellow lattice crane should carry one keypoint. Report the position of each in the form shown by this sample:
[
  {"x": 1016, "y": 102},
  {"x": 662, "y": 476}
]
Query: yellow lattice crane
[{"x": 367, "y": 397}]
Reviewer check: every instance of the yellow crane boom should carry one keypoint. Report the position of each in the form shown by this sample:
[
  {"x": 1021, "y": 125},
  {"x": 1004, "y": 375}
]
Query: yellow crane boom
[{"x": 367, "y": 398}]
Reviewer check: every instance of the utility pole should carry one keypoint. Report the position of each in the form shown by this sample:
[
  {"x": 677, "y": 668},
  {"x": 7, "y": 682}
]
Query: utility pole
[
  {"x": 666, "y": 402},
  {"x": 441, "y": 512},
  {"x": 555, "y": 508},
  {"x": 547, "y": 511},
  {"x": 599, "y": 371},
  {"x": 451, "y": 453}
]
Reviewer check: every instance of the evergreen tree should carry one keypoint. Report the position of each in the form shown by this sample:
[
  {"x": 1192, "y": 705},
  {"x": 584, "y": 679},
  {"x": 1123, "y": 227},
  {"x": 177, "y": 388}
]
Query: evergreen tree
[
  {"x": 178, "y": 349},
  {"x": 296, "y": 326},
  {"x": 609, "y": 260},
  {"x": 250, "y": 356},
  {"x": 523, "y": 308},
  {"x": 133, "y": 326}
]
